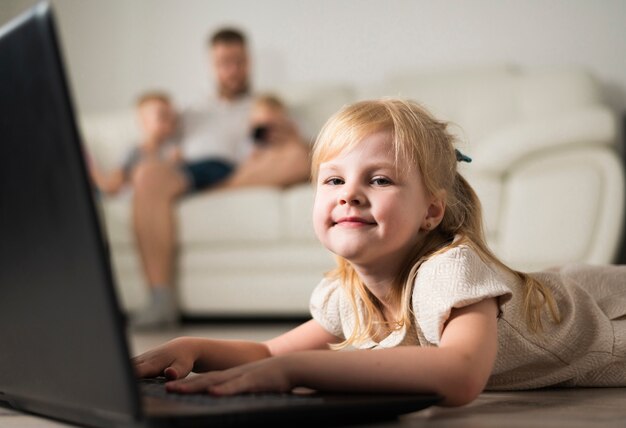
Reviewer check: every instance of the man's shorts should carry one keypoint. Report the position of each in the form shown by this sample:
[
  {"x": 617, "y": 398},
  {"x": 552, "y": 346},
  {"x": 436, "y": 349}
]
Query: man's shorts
[{"x": 206, "y": 173}]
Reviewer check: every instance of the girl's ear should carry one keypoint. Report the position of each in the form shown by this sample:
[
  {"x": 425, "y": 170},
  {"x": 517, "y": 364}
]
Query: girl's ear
[{"x": 435, "y": 212}]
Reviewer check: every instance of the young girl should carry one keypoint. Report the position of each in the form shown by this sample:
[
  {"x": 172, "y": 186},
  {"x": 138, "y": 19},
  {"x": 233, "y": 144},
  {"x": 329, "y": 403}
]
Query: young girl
[{"x": 417, "y": 303}]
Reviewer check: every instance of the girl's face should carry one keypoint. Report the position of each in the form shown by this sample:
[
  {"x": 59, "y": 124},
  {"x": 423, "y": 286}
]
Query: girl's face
[{"x": 368, "y": 211}]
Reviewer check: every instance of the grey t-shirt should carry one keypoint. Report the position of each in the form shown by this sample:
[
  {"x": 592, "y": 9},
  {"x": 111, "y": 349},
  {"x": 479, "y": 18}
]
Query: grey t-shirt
[
  {"x": 216, "y": 129},
  {"x": 135, "y": 154}
]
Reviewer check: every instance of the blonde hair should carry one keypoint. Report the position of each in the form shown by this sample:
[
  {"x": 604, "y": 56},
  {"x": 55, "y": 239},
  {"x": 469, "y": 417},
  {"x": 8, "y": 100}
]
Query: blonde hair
[
  {"x": 270, "y": 101},
  {"x": 421, "y": 141},
  {"x": 152, "y": 95}
]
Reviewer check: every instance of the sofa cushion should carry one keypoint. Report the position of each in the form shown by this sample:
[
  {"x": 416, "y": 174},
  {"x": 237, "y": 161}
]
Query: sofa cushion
[{"x": 243, "y": 215}]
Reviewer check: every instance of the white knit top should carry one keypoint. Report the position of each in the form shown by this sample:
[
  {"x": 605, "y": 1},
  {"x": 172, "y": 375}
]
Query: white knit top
[{"x": 587, "y": 348}]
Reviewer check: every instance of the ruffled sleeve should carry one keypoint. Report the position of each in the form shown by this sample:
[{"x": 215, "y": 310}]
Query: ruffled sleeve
[
  {"x": 454, "y": 279},
  {"x": 325, "y": 305}
]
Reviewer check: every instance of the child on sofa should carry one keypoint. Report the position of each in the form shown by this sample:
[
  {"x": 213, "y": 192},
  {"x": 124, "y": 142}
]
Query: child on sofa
[
  {"x": 157, "y": 122},
  {"x": 280, "y": 156},
  {"x": 418, "y": 302}
]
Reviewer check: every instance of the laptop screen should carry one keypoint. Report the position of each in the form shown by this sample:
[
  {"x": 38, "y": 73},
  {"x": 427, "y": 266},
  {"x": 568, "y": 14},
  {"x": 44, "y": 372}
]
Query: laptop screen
[{"x": 56, "y": 294}]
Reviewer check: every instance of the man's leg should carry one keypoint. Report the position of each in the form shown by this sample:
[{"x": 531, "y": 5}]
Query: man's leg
[{"x": 157, "y": 186}]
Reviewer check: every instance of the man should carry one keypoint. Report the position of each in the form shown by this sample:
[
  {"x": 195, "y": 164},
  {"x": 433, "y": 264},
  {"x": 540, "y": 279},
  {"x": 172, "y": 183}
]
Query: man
[{"x": 213, "y": 141}]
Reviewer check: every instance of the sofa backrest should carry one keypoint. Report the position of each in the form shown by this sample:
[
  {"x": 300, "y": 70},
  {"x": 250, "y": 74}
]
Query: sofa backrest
[
  {"x": 484, "y": 99},
  {"x": 109, "y": 135}
]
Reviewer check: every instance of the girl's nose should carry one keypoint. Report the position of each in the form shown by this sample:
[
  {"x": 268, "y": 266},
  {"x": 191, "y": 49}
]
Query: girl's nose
[{"x": 351, "y": 197}]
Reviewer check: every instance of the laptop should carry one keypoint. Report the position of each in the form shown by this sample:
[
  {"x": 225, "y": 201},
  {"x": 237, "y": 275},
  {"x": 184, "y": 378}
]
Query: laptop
[{"x": 64, "y": 350}]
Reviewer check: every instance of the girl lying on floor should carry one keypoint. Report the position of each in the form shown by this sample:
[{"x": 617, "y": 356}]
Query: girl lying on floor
[{"x": 418, "y": 302}]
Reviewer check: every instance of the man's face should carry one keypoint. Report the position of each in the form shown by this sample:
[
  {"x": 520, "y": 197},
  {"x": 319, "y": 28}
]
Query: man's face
[{"x": 230, "y": 62}]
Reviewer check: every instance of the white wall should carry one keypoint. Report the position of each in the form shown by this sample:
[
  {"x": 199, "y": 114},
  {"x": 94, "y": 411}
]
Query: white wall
[{"x": 117, "y": 48}]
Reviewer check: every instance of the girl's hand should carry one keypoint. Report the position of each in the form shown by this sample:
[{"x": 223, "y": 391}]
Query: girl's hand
[
  {"x": 174, "y": 360},
  {"x": 267, "y": 375}
]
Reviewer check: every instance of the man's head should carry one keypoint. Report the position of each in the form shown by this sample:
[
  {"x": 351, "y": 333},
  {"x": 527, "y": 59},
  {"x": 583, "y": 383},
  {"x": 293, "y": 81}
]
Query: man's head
[{"x": 230, "y": 60}]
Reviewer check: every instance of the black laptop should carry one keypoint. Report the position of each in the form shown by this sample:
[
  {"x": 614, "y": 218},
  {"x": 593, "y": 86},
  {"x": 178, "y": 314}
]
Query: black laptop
[{"x": 63, "y": 345}]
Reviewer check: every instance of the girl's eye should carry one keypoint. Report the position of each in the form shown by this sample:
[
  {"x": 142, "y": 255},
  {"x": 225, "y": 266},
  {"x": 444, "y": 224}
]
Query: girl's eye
[
  {"x": 381, "y": 181},
  {"x": 334, "y": 181}
]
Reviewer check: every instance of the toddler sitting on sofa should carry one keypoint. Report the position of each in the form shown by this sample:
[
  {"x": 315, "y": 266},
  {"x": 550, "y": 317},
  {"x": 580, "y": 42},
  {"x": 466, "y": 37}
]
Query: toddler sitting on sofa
[
  {"x": 280, "y": 156},
  {"x": 157, "y": 119}
]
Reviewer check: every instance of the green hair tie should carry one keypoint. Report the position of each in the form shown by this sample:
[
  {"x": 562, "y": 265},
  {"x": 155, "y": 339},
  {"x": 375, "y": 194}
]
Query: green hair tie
[{"x": 460, "y": 157}]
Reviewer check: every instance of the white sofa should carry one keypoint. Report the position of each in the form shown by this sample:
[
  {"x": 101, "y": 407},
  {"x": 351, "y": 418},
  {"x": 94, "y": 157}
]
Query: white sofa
[{"x": 545, "y": 165}]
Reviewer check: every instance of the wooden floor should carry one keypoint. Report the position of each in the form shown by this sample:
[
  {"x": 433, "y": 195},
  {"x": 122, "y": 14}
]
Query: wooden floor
[
  {"x": 558, "y": 408},
  {"x": 572, "y": 408}
]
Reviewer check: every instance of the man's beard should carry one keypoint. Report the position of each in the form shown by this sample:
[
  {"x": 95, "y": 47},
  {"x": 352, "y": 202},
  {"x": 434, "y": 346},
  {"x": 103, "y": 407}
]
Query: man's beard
[{"x": 238, "y": 92}]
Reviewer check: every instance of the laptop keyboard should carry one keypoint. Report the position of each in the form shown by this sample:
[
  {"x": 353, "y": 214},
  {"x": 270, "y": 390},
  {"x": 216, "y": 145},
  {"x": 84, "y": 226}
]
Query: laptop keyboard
[{"x": 156, "y": 388}]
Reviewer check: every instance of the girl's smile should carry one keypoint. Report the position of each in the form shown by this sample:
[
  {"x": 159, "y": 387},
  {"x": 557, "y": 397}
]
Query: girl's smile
[{"x": 354, "y": 222}]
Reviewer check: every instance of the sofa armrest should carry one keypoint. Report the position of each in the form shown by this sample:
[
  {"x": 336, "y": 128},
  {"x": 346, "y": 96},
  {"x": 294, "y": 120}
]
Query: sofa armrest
[
  {"x": 593, "y": 126},
  {"x": 564, "y": 206}
]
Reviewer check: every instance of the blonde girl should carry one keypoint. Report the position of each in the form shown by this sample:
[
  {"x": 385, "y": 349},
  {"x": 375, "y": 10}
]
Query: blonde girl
[{"x": 418, "y": 302}]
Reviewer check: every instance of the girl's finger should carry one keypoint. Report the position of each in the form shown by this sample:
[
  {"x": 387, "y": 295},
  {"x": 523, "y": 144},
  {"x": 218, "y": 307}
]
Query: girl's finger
[
  {"x": 198, "y": 383},
  {"x": 148, "y": 368},
  {"x": 233, "y": 386}
]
